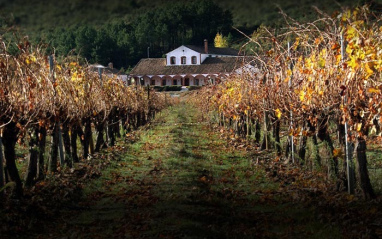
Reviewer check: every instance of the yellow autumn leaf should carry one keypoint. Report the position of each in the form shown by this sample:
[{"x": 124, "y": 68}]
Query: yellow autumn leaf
[
  {"x": 349, "y": 49},
  {"x": 353, "y": 63},
  {"x": 309, "y": 91},
  {"x": 302, "y": 95},
  {"x": 345, "y": 16},
  {"x": 338, "y": 59},
  {"x": 374, "y": 90},
  {"x": 321, "y": 62},
  {"x": 278, "y": 113},
  {"x": 351, "y": 32},
  {"x": 358, "y": 126},
  {"x": 369, "y": 70},
  {"x": 296, "y": 43}
]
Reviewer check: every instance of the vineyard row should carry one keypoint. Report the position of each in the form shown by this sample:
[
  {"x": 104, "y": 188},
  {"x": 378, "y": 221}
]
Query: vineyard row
[
  {"x": 40, "y": 98},
  {"x": 326, "y": 86}
]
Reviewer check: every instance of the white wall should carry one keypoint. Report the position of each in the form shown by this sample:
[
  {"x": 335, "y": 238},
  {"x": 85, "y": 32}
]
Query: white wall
[{"x": 182, "y": 51}]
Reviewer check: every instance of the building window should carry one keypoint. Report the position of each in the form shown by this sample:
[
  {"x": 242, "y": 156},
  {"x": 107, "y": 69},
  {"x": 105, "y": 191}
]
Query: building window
[
  {"x": 183, "y": 60},
  {"x": 172, "y": 60},
  {"x": 164, "y": 82},
  {"x": 193, "y": 60}
]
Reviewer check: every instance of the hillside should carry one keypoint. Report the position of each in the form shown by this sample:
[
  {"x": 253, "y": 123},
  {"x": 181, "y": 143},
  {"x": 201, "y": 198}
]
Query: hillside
[
  {"x": 256, "y": 12},
  {"x": 41, "y": 15},
  {"x": 121, "y": 31}
]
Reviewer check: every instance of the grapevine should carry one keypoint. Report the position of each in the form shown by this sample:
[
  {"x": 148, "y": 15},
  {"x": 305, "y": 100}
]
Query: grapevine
[
  {"x": 310, "y": 85},
  {"x": 37, "y": 101}
]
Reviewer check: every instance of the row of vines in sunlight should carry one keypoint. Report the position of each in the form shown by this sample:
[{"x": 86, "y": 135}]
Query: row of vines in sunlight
[
  {"x": 310, "y": 90},
  {"x": 63, "y": 102}
]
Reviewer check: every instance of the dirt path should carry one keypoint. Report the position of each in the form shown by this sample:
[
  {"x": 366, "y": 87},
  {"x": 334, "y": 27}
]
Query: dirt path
[{"x": 181, "y": 180}]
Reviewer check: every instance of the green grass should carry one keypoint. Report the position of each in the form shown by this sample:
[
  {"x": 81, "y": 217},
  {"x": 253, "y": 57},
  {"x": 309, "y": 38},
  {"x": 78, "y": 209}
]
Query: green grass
[{"x": 181, "y": 180}]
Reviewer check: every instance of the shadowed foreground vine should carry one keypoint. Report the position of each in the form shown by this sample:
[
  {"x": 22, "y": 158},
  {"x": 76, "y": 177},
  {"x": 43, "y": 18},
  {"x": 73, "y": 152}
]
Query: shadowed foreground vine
[
  {"x": 62, "y": 101},
  {"x": 301, "y": 82}
]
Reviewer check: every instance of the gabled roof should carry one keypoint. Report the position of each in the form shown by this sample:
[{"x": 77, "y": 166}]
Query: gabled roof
[
  {"x": 182, "y": 46},
  {"x": 212, "y": 65},
  {"x": 214, "y": 50}
]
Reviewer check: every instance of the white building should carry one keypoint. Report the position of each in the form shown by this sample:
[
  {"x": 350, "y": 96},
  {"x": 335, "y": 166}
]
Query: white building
[{"x": 188, "y": 65}]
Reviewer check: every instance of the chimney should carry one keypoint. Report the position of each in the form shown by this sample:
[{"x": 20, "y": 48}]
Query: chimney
[
  {"x": 110, "y": 65},
  {"x": 205, "y": 46}
]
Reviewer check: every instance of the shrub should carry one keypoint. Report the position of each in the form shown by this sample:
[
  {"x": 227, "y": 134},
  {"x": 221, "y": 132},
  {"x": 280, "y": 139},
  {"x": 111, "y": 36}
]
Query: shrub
[
  {"x": 194, "y": 87},
  {"x": 168, "y": 88}
]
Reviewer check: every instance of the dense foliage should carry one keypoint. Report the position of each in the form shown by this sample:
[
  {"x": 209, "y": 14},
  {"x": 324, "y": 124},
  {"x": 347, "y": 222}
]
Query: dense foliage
[
  {"x": 152, "y": 33},
  {"x": 39, "y": 15},
  {"x": 121, "y": 31}
]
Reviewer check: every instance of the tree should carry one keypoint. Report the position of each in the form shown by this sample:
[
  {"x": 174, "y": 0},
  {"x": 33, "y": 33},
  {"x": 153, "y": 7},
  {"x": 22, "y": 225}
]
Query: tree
[
  {"x": 220, "y": 40},
  {"x": 102, "y": 48},
  {"x": 85, "y": 37},
  {"x": 162, "y": 29}
]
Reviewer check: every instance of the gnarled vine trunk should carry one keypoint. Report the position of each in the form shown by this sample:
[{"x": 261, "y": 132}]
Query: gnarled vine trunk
[
  {"x": 100, "y": 142},
  {"x": 366, "y": 187},
  {"x": 111, "y": 128},
  {"x": 33, "y": 156},
  {"x": 66, "y": 140},
  {"x": 54, "y": 149},
  {"x": 9, "y": 141},
  {"x": 87, "y": 138},
  {"x": 276, "y": 135},
  {"x": 323, "y": 135},
  {"x": 41, "y": 153},
  {"x": 73, "y": 141}
]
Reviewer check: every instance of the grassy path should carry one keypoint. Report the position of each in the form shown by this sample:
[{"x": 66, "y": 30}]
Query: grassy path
[{"x": 180, "y": 180}]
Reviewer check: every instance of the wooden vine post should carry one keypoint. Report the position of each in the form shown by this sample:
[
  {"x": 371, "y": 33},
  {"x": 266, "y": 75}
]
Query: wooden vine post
[
  {"x": 349, "y": 161},
  {"x": 291, "y": 113},
  {"x": 57, "y": 120},
  {"x": 103, "y": 125}
]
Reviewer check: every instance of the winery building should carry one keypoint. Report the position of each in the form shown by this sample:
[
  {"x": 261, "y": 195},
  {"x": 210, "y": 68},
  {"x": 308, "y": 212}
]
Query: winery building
[{"x": 188, "y": 65}]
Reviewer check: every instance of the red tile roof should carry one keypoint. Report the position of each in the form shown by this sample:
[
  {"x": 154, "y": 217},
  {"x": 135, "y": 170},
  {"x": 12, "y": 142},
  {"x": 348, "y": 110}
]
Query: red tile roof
[{"x": 212, "y": 65}]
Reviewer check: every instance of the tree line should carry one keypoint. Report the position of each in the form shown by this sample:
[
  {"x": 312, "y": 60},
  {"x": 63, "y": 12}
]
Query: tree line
[{"x": 154, "y": 32}]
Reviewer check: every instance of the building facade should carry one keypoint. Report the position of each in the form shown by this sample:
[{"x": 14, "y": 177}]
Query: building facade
[{"x": 187, "y": 65}]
